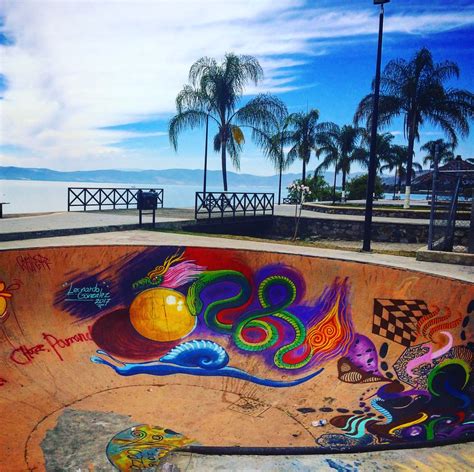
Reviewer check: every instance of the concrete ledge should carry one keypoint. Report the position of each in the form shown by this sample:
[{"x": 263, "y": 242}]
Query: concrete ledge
[
  {"x": 459, "y": 258},
  {"x": 416, "y": 213},
  {"x": 52, "y": 233}
]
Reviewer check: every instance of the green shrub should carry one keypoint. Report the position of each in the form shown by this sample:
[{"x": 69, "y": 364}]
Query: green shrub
[{"x": 356, "y": 188}]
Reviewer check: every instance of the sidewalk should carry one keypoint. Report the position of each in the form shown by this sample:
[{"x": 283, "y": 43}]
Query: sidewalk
[{"x": 64, "y": 223}]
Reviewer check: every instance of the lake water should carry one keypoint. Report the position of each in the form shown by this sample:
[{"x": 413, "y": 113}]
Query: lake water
[{"x": 32, "y": 196}]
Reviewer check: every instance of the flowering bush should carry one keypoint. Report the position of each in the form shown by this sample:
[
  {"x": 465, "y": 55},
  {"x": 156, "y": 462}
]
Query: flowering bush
[
  {"x": 316, "y": 189},
  {"x": 298, "y": 191}
]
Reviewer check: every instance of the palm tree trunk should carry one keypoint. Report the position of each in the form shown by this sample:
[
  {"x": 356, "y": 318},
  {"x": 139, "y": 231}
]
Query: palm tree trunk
[
  {"x": 279, "y": 184},
  {"x": 304, "y": 173},
  {"x": 343, "y": 185},
  {"x": 395, "y": 183},
  {"x": 411, "y": 145},
  {"x": 334, "y": 185},
  {"x": 400, "y": 179},
  {"x": 224, "y": 166}
]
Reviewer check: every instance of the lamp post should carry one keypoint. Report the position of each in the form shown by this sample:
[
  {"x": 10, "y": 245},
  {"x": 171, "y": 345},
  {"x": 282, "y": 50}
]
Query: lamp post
[{"x": 373, "y": 138}]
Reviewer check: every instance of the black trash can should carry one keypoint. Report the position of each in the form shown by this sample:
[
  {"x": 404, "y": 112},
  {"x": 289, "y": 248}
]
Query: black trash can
[{"x": 147, "y": 201}]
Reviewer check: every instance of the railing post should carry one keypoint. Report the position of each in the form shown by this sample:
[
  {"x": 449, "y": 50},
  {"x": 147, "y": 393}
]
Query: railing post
[
  {"x": 222, "y": 206},
  {"x": 433, "y": 198},
  {"x": 451, "y": 224},
  {"x": 84, "y": 201},
  {"x": 69, "y": 199},
  {"x": 195, "y": 205}
]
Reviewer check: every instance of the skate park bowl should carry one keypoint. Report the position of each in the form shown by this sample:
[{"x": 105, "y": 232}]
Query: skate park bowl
[{"x": 112, "y": 356}]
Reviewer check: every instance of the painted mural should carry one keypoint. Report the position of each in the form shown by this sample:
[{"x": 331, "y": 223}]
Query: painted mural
[
  {"x": 141, "y": 447},
  {"x": 261, "y": 314},
  {"x": 359, "y": 355},
  {"x": 186, "y": 316}
]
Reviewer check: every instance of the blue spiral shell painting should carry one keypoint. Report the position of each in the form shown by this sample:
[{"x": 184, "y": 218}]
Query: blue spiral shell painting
[{"x": 198, "y": 353}]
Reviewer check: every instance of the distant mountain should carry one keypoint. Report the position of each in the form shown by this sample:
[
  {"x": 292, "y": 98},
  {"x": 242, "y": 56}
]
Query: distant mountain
[
  {"x": 389, "y": 180},
  {"x": 152, "y": 177}
]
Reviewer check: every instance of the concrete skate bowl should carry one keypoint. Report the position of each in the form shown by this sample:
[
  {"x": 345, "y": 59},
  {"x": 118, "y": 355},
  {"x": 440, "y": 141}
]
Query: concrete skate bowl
[{"x": 111, "y": 356}]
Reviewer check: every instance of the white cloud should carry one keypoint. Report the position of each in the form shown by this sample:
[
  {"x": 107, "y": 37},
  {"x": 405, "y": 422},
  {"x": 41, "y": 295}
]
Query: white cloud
[{"x": 77, "y": 66}]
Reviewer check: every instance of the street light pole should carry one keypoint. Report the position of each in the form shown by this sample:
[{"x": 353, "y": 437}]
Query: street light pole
[{"x": 373, "y": 138}]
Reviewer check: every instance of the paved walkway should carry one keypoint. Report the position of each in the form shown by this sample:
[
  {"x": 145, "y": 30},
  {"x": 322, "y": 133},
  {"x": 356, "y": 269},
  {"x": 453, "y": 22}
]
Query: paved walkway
[{"x": 74, "y": 220}]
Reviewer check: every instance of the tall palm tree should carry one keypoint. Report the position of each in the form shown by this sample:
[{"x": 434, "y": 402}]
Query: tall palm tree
[
  {"x": 272, "y": 143},
  {"x": 303, "y": 130},
  {"x": 341, "y": 148},
  {"x": 445, "y": 152},
  {"x": 415, "y": 90},
  {"x": 213, "y": 94},
  {"x": 191, "y": 99}
]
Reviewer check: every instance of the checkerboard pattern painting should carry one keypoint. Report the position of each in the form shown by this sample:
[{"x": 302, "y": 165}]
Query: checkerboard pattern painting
[{"x": 396, "y": 319}]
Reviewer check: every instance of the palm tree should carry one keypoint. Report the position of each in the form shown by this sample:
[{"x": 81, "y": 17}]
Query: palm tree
[
  {"x": 272, "y": 143},
  {"x": 214, "y": 93},
  {"x": 192, "y": 99},
  {"x": 397, "y": 160},
  {"x": 303, "y": 130},
  {"x": 341, "y": 147},
  {"x": 445, "y": 152},
  {"x": 384, "y": 147},
  {"x": 416, "y": 91}
]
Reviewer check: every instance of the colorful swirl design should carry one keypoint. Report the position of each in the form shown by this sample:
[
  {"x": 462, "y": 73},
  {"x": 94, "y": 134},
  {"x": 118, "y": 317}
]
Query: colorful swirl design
[{"x": 328, "y": 333}]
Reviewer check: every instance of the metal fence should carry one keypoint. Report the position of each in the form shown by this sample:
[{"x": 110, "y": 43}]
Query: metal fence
[
  {"x": 451, "y": 204},
  {"x": 230, "y": 204},
  {"x": 94, "y": 198}
]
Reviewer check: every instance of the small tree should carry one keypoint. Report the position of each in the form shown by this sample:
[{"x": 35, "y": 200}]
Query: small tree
[
  {"x": 301, "y": 191},
  {"x": 357, "y": 188}
]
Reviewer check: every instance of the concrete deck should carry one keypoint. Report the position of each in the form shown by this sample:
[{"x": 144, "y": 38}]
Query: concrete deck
[
  {"x": 150, "y": 238},
  {"x": 123, "y": 218},
  {"x": 73, "y": 220}
]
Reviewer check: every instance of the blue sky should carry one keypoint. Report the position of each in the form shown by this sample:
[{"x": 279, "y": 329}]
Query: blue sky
[{"x": 91, "y": 84}]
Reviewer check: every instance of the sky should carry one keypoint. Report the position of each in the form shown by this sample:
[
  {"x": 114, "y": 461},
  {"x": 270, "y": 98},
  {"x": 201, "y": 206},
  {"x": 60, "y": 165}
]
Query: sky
[{"x": 91, "y": 84}]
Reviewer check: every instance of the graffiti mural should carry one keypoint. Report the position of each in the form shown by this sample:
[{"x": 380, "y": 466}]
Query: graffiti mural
[
  {"x": 33, "y": 263},
  {"x": 141, "y": 447},
  {"x": 181, "y": 313},
  {"x": 5, "y": 295},
  {"x": 351, "y": 355},
  {"x": 433, "y": 396},
  {"x": 396, "y": 320},
  {"x": 260, "y": 314}
]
